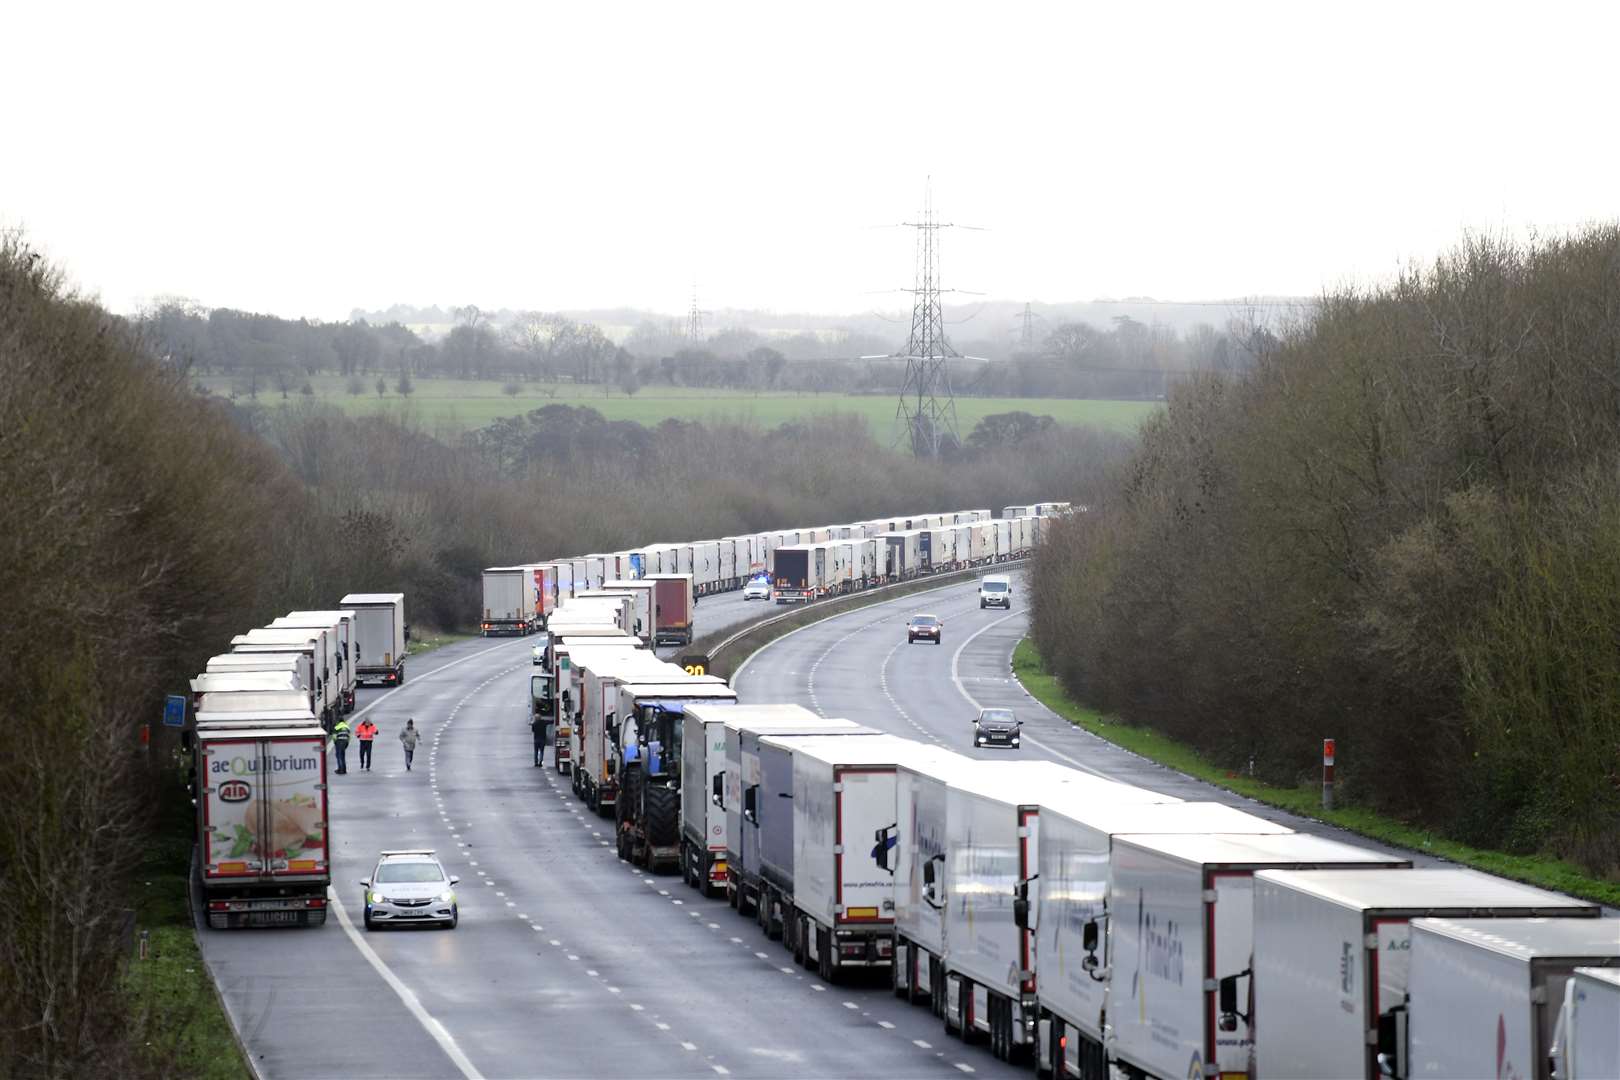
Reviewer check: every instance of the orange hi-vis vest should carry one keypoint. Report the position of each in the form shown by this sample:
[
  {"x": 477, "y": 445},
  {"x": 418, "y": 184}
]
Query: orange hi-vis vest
[{"x": 366, "y": 731}]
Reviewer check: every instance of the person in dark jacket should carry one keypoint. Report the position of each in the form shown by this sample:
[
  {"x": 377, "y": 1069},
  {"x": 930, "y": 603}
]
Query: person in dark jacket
[{"x": 340, "y": 745}]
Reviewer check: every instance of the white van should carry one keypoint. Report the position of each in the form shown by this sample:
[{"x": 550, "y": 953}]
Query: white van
[{"x": 995, "y": 590}]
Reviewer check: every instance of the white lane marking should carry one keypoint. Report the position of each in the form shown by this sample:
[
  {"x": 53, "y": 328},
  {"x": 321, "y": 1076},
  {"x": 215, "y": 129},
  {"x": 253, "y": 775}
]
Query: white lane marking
[
  {"x": 662, "y": 1026},
  {"x": 922, "y": 1043},
  {"x": 418, "y": 680},
  {"x": 721, "y": 1070},
  {"x": 850, "y": 1005},
  {"x": 636, "y": 1007},
  {"x": 735, "y": 675},
  {"x": 432, "y": 1026},
  {"x": 964, "y": 1066},
  {"x": 590, "y": 972},
  {"x": 613, "y": 990},
  {"x": 957, "y": 679},
  {"x": 762, "y": 956},
  {"x": 786, "y": 970},
  {"x": 688, "y": 1046},
  {"x": 885, "y": 1025},
  {"x": 817, "y": 986}
]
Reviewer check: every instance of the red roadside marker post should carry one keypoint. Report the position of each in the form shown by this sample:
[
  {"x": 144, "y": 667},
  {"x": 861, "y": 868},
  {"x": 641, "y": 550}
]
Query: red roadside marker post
[{"x": 1327, "y": 774}]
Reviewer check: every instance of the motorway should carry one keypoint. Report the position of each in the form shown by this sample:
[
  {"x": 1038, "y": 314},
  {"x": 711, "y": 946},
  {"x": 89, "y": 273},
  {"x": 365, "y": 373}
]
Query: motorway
[{"x": 570, "y": 963}]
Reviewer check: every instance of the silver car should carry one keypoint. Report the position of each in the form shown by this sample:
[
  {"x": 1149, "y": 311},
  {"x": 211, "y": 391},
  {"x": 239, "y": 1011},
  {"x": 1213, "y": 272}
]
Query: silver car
[
  {"x": 410, "y": 887},
  {"x": 758, "y": 588}
]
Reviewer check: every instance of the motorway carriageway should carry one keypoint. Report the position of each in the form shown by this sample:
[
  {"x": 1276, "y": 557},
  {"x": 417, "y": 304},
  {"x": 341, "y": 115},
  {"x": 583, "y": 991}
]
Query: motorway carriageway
[
  {"x": 567, "y": 962},
  {"x": 571, "y": 963}
]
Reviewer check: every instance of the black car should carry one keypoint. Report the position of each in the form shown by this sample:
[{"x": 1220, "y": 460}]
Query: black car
[
  {"x": 925, "y": 627},
  {"x": 996, "y": 727}
]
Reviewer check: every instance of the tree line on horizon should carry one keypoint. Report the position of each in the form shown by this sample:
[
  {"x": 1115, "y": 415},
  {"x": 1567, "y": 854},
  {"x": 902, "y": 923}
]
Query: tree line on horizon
[{"x": 268, "y": 355}]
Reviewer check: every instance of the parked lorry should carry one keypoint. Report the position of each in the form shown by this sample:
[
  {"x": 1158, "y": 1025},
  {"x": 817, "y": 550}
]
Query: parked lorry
[
  {"x": 252, "y": 682},
  {"x": 1357, "y": 924},
  {"x": 646, "y": 623},
  {"x": 986, "y": 978},
  {"x": 902, "y": 554},
  {"x": 511, "y": 598},
  {"x": 341, "y": 625},
  {"x": 703, "y": 771},
  {"x": 1181, "y": 936},
  {"x": 381, "y": 636},
  {"x": 1586, "y": 1045},
  {"x": 673, "y": 608},
  {"x": 320, "y": 649},
  {"x": 740, "y": 792},
  {"x": 300, "y": 664},
  {"x": 651, "y": 718},
  {"x": 798, "y": 573},
  {"x": 829, "y": 878},
  {"x": 1484, "y": 994},
  {"x": 262, "y": 825},
  {"x": 1072, "y": 895},
  {"x": 560, "y": 698},
  {"x": 600, "y": 671}
]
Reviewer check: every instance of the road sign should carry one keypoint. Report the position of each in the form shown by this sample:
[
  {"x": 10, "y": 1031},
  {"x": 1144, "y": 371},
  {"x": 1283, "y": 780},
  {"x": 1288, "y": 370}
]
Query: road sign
[{"x": 174, "y": 711}]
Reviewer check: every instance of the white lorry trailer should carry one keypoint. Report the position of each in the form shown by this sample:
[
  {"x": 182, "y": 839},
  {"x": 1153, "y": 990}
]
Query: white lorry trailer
[
  {"x": 341, "y": 626},
  {"x": 741, "y": 792},
  {"x": 644, "y": 610},
  {"x": 1484, "y": 994},
  {"x": 250, "y": 682},
  {"x": 651, "y": 717},
  {"x": 703, "y": 785},
  {"x": 1069, "y": 913},
  {"x": 1586, "y": 1045},
  {"x": 1356, "y": 925},
  {"x": 321, "y": 649},
  {"x": 560, "y": 698},
  {"x": 298, "y": 663},
  {"x": 830, "y": 883},
  {"x": 986, "y": 978},
  {"x": 1180, "y": 924},
  {"x": 380, "y": 626},
  {"x": 262, "y": 830},
  {"x": 511, "y": 599}
]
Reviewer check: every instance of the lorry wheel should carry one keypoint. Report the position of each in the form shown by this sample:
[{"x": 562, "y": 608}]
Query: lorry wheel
[
  {"x": 401, "y": 680},
  {"x": 898, "y": 964},
  {"x": 663, "y": 813},
  {"x": 801, "y": 955},
  {"x": 824, "y": 966}
]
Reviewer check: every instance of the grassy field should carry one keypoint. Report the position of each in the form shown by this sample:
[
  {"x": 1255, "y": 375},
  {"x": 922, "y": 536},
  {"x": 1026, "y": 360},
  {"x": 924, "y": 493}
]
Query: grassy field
[
  {"x": 1543, "y": 870},
  {"x": 465, "y": 404}
]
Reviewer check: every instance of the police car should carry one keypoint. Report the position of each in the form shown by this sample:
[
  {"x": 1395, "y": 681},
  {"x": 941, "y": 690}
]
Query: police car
[{"x": 410, "y": 887}]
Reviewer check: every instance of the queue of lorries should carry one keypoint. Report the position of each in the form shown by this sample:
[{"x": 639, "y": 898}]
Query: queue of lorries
[
  {"x": 800, "y": 565},
  {"x": 1093, "y": 928},
  {"x": 261, "y": 714}
]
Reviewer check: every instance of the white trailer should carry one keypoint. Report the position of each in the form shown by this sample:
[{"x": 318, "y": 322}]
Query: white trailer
[
  {"x": 250, "y": 682},
  {"x": 313, "y": 642},
  {"x": 511, "y": 597},
  {"x": 644, "y": 623},
  {"x": 1587, "y": 1043},
  {"x": 300, "y": 664},
  {"x": 1484, "y": 994},
  {"x": 1004, "y": 540},
  {"x": 1069, "y": 913},
  {"x": 707, "y": 571},
  {"x": 1181, "y": 927},
  {"x": 1018, "y": 511},
  {"x": 728, "y": 551},
  {"x": 341, "y": 624},
  {"x": 703, "y": 784},
  {"x": 986, "y": 978},
  {"x": 1356, "y": 924},
  {"x": 584, "y": 578},
  {"x": 742, "y": 786},
  {"x": 380, "y": 633},
  {"x": 833, "y": 894},
  {"x": 921, "y": 824},
  {"x": 565, "y": 640},
  {"x": 902, "y": 556}
]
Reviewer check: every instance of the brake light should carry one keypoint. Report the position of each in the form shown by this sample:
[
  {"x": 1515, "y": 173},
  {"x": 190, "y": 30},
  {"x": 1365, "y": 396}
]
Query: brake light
[{"x": 218, "y": 905}]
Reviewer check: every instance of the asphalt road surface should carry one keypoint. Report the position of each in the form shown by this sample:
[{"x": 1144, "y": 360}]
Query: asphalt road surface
[{"x": 567, "y": 962}]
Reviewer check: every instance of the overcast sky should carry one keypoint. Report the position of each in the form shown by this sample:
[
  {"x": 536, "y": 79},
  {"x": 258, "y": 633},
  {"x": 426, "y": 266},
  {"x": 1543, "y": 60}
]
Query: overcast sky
[{"x": 310, "y": 159}]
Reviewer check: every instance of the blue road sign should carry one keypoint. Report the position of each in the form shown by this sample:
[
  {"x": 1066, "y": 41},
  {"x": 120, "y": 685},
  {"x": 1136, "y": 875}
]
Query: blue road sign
[{"x": 174, "y": 711}]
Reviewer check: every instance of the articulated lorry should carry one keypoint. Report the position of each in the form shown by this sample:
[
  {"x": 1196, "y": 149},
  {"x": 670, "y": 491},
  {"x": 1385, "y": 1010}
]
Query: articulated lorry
[
  {"x": 1357, "y": 924},
  {"x": 1070, "y": 911},
  {"x": 828, "y": 863},
  {"x": 645, "y": 610},
  {"x": 1484, "y": 994},
  {"x": 380, "y": 636},
  {"x": 340, "y": 625},
  {"x": 259, "y": 778},
  {"x": 651, "y": 716},
  {"x": 321, "y": 648},
  {"x": 740, "y": 791},
  {"x": 513, "y": 595},
  {"x": 985, "y": 982},
  {"x": 599, "y": 672},
  {"x": 673, "y": 608},
  {"x": 560, "y": 698}
]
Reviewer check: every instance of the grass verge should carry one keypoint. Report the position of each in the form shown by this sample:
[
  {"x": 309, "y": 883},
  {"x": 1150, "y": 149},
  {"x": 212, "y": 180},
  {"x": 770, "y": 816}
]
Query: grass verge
[
  {"x": 429, "y": 642},
  {"x": 183, "y": 1026},
  {"x": 1542, "y": 870}
]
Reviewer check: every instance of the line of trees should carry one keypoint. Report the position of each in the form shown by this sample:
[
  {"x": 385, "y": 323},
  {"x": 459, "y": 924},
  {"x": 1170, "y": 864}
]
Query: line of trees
[
  {"x": 144, "y": 523},
  {"x": 268, "y": 355},
  {"x": 1400, "y": 529}
]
